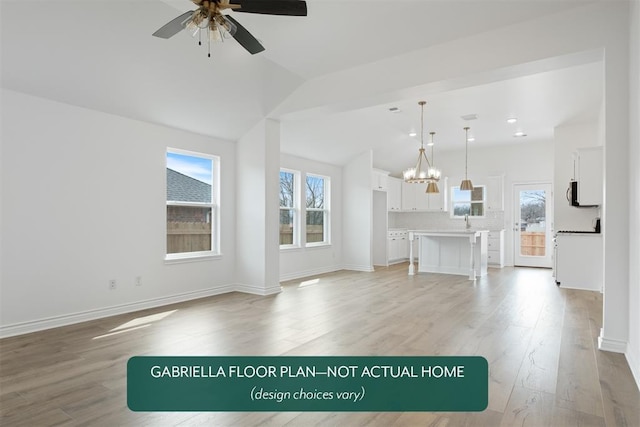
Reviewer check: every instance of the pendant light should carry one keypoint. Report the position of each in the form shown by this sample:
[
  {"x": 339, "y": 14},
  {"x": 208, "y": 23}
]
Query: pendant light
[
  {"x": 424, "y": 171},
  {"x": 433, "y": 174},
  {"x": 466, "y": 184}
]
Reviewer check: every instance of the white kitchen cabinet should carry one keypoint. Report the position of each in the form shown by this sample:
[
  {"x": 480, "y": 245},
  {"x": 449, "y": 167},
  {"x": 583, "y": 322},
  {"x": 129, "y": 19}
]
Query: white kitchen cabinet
[
  {"x": 495, "y": 193},
  {"x": 415, "y": 197},
  {"x": 578, "y": 263},
  {"x": 438, "y": 201},
  {"x": 394, "y": 194},
  {"x": 409, "y": 195},
  {"x": 397, "y": 246},
  {"x": 403, "y": 246},
  {"x": 589, "y": 170},
  {"x": 451, "y": 252},
  {"x": 379, "y": 180},
  {"x": 495, "y": 248}
]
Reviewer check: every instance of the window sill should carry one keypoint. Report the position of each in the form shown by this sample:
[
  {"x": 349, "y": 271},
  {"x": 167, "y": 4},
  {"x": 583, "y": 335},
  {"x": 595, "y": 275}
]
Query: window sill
[
  {"x": 191, "y": 257},
  {"x": 317, "y": 245},
  {"x": 287, "y": 248}
]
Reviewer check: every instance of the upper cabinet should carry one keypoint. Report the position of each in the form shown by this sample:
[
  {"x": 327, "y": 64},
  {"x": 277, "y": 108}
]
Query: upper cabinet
[
  {"x": 438, "y": 201},
  {"x": 394, "y": 194},
  {"x": 589, "y": 170},
  {"x": 379, "y": 180},
  {"x": 415, "y": 197},
  {"x": 495, "y": 193}
]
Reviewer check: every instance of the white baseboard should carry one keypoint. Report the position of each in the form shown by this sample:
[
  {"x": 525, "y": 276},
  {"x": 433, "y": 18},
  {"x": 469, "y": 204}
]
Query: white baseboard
[
  {"x": 634, "y": 364},
  {"x": 355, "y": 267},
  {"x": 256, "y": 290},
  {"x": 578, "y": 289},
  {"x": 612, "y": 345},
  {"x": 309, "y": 273},
  {"x": 69, "y": 319},
  {"x": 619, "y": 346}
]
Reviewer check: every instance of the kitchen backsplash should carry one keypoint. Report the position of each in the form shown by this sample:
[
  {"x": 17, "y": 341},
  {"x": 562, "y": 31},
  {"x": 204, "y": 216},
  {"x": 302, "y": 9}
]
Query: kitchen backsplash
[{"x": 442, "y": 221}]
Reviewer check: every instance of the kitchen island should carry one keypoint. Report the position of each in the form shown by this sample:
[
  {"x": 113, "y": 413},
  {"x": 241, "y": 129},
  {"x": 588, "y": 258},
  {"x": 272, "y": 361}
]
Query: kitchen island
[{"x": 462, "y": 252}]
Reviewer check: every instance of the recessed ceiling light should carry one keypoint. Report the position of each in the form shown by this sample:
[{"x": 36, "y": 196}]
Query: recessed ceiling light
[
  {"x": 394, "y": 109},
  {"x": 412, "y": 134},
  {"x": 471, "y": 139},
  {"x": 512, "y": 120},
  {"x": 519, "y": 134},
  {"x": 469, "y": 117}
]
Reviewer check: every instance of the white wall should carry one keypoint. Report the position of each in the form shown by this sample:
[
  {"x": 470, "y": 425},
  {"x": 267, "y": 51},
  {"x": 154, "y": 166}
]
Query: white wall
[
  {"x": 379, "y": 227},
  {"x": 272, "y": 203},
  {"x": 567, "y": 139},
  {"x": 357, "y": 217},
  {"x": 524, "y": 161},
  {"x": 633, "y": 349},
  {"x": 614, "y": 335},
  {"x": 304, "y": 262},
  {"x": 83, "y": 201},
  {"x": 257, "y": 186}
]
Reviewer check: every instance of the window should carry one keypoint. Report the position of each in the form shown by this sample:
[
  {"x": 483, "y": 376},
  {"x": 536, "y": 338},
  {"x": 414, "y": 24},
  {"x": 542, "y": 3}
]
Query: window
[
  {"x": 468, "y": 202},
  {"x": 317, "y": 224},
  {"x": 289, "y": 208},
  {"x": 192, "y": 204}
]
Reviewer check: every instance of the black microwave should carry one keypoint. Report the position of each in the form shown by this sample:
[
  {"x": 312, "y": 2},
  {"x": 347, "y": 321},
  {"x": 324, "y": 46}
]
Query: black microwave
[{"x": 572, "y": 196}]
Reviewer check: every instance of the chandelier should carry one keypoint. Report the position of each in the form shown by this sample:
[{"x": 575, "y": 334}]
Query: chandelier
[{"x": 425, "y": 171}]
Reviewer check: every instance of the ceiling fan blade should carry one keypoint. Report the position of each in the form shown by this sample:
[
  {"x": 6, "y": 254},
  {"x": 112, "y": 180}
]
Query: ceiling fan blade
[
  {"x": 174, "y": 26},
  {"x": 272, "y": 7},
  {"x": 244, "y": 37}
]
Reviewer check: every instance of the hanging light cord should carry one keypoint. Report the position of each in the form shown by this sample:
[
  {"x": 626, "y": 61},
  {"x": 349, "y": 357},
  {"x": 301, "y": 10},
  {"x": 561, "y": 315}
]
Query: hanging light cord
[
  {"x": 433, "y": 159},
  {"x": 466, "y": 151},
  {"x": 422, "y": 103},
  {"x": 422, "y": 124}
]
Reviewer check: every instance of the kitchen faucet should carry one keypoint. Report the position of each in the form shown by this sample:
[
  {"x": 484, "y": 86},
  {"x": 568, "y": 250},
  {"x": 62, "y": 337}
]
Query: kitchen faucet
[{"x": 466, "y": 220}]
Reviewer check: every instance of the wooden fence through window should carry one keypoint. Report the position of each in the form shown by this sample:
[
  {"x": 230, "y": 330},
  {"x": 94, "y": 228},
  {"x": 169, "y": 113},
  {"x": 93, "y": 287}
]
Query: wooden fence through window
[
  {"x": 188, "y": 237},
  {"x": 533, "y": 243},
  {"x": 313, "y": 236}
]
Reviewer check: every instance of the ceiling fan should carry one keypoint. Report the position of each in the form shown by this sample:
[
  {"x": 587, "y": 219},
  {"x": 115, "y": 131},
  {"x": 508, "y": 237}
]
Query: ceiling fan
[{"x": 208, "y": 18}]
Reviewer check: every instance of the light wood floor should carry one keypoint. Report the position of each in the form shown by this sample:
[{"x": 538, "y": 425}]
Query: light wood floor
[{"x": 540, "y": 341}]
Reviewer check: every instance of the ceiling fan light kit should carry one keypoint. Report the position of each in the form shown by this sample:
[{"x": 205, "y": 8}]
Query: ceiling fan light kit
[{"x": 218, "y": 26}]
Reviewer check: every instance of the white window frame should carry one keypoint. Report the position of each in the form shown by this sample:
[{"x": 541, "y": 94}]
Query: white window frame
[
  {"x": 326, "y": 222},
  {"x": 295, "y": 208},
  {"x": 214, "y": 205},
  {"x": 453, "y": 202}
]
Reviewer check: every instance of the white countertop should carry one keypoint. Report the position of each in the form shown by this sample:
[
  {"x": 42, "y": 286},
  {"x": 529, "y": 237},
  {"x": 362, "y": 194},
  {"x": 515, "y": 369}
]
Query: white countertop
[
  {"x": 578, "y": 233},
  {"x": 469, "y": 231}
]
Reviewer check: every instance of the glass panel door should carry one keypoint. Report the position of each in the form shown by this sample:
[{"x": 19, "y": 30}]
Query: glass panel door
[{"x": 533, "y": 220}]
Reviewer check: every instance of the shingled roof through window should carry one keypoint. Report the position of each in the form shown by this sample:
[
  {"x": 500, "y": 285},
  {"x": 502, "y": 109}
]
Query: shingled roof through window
[{"x": 183, "y": 188}]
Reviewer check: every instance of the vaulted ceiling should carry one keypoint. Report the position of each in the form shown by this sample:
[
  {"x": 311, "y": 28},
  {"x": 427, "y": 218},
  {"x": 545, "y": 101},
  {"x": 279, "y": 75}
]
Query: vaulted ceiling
[{"x": 101, "y": 55}]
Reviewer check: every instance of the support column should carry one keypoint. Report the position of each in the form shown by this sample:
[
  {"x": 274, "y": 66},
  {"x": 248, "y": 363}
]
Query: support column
[
  {"x": 472, "y": 264},
  {"x": 257, "y": 185},
  {"x": 412, "y": 270}
]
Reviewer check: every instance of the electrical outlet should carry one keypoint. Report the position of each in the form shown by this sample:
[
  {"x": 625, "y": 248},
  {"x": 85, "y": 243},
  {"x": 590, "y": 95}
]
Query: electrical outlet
[
  {"x": 138, "y": 281},
  {"x": 112, "y": 284}
]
